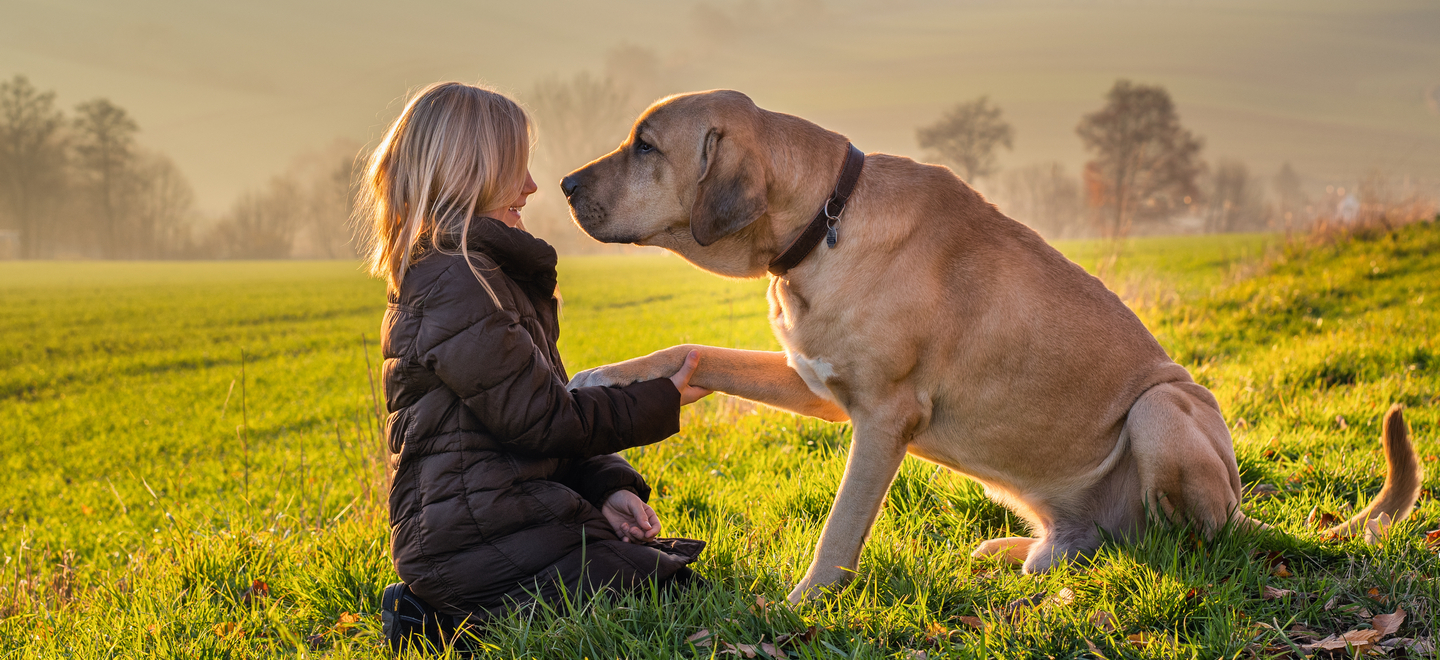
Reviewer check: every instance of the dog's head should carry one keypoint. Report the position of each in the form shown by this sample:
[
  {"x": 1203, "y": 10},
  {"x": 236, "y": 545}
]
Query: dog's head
[{"x": 690, "y": 178}]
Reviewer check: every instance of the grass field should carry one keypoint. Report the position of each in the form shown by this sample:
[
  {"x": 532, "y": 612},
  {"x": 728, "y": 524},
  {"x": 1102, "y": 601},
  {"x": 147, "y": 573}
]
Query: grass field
[{"x": 193, "y": 469}]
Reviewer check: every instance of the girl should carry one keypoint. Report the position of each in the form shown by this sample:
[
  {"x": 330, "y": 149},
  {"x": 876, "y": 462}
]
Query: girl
[{"x": 507, "y": 486}]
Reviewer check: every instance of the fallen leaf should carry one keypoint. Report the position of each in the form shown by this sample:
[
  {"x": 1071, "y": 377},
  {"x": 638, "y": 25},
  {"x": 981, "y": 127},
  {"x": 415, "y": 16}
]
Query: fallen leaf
[
  {"x": 346, "y": 621},
  {"x": 771, "y": 650},
  {"x": 1340, "y": 422},
  {"x": 1103, "y": 620},
  {"x": 747, "y": 650},
  {"x": 258, "y": 589},
  {"x": 1330, "y": 604},
  {"x": 1355, "y": 640},
  {"x": 1432, "y": 539},
  {"x": 935, "y": 632},
  {"x": 1063, "y": 597},
  {"x": 227, "y": 630},
  {"x": 1147, "y": 638},
  {"x": 973, "y": 622},
  {"x": 701, "y": 639},
  {"x": 1093, "y": 649},
  {"x": 1268, "y": 592},
  {"x": 807, "y": 635},
  {"x": 1321, "y": 519},
  {"x": 760, "y": 605},
  {"x": 1387, "y": 624},
  {"x": 1281, "y": 571}
]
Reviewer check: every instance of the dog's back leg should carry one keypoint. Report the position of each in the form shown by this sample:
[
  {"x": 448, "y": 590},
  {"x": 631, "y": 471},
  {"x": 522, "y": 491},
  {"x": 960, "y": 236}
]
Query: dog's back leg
[{"x": 1185, "y": 459}]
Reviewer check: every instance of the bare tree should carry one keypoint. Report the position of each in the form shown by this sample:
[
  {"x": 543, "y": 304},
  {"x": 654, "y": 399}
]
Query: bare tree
[
  {"x": 967, "y": 136},
  {"x": 262, "y": 224},
  {"x": 105, "y": 150},
  {"x": 328, "y": 181},
  {"x": 577, "y": 120},
  {"x": 162, "y": 206},
  {"x": 1145, "y": 163},
  {"x": 1235, "y": 200},
  {"x": 32, "y": 160},
  {"x": 1290, "y": 197},
  {"x": 1041, "y": 196}
]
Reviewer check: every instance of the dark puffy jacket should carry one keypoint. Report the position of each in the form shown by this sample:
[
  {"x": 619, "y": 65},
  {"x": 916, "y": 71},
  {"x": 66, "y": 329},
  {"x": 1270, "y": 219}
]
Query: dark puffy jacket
[{"x": 502, "y": 470}]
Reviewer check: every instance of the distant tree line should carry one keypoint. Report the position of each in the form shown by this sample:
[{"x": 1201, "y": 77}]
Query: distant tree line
[
  {"x": 1145, "y": 174},
  {"x": 80, "y": 185}
]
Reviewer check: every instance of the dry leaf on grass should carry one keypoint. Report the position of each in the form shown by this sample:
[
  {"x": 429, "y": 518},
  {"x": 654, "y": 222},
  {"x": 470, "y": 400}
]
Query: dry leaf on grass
[
  {"x": 1268, "y": 592},
  {"x": 804, "y": 636},
  {"x": 1355, "y": 640},
  {"x": 1148, "y": 638},
  {"x": 974, "y": 622},
  {"x": 1432, "y": 539},
  {"x": 1281, "y": 571},
  {"x": 1321, "y": 519},
  {"x": 1064, "y": 597},
  {"x": 258, "y": 589},
  {"x": 701, "y": 639},
  {"x": 227, "y": 630},
  {"x": 935, "y": 632},
  {"x": 1094, "y": 649},
  {"x": 1103, "y": 620},
  {"x": 346, "y": 622},
  {"x": 1387, "y": 624}
]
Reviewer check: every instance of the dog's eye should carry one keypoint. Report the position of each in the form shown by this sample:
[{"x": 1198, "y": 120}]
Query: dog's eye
[{"x": 643, "y": 147}]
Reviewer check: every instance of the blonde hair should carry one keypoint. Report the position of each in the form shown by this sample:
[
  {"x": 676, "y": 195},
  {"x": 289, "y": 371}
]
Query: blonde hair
[{"x": 454, "y": 150}]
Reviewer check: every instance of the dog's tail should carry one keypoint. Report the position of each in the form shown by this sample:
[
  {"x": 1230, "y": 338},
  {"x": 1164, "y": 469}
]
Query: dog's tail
[{"x": 1402, "y": 480}]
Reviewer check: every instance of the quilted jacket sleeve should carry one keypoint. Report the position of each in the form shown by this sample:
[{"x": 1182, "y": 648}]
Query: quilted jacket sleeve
[
  {"x": 491, "y": 362},
  {"x": 595, "y": 478}
]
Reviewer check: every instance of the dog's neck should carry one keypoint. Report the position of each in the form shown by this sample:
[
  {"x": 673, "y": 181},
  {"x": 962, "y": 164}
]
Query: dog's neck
[{"x": 803, "y": 163}]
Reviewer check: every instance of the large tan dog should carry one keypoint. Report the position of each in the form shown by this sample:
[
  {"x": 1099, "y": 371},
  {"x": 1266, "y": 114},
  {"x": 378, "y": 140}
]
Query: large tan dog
[{"x": 938, "y": 326}]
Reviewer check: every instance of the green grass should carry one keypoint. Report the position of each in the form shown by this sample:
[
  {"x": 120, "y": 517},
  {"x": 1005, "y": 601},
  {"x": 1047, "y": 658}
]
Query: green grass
[{"x": 136, "y": 520}]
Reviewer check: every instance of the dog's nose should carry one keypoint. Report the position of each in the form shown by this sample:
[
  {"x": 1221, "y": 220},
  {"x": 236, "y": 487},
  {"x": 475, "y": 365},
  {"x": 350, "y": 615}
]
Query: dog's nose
[{"x": 569, "y": 184}]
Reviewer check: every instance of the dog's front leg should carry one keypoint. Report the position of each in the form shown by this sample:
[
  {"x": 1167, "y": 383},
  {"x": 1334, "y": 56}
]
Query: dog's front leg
[{"x": 876, "y": 451}]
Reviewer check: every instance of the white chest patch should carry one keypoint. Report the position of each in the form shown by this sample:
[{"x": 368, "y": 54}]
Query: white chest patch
[{"x": 814, "y": 372}]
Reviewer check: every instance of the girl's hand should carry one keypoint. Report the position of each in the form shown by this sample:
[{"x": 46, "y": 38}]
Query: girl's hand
[
  {"x": 688, "y": 393},
  {"x": 633, "y": 520}
]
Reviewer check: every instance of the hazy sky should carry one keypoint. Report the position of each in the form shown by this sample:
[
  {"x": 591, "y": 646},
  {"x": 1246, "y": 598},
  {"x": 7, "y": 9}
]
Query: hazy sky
[{"x": 235, "y": 91}]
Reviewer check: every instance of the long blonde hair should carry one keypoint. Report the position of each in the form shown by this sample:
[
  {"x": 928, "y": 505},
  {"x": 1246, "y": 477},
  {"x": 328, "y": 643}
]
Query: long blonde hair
[{"x": 454, "y": 150}]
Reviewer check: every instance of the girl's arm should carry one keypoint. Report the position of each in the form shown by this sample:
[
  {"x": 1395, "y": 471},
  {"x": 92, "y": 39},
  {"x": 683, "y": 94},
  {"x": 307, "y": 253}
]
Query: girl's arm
[{"x": 503, "y": 377}]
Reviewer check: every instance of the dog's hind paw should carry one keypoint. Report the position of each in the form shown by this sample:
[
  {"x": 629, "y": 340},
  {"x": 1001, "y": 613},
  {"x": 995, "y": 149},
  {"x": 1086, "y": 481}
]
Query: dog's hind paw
[{"x": 1011, "y": 549}]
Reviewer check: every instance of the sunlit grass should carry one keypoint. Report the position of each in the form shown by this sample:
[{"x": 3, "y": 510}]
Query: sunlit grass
[{"x": 134, "y": 522}]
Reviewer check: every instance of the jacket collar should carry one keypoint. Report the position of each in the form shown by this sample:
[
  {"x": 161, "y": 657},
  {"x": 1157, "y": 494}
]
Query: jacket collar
[{"x": 526, "y": 259}]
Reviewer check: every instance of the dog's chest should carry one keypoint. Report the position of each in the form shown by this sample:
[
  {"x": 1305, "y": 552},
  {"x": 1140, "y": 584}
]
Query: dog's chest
[{"x": 805, "y": 349}]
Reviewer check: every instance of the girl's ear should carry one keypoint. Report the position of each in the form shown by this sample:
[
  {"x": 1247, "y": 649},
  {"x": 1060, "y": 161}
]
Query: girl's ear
[{"x": 731, "y": 192}]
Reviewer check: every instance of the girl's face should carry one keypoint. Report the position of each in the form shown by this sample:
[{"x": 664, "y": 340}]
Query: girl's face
[{"x": 510, "y": 213}]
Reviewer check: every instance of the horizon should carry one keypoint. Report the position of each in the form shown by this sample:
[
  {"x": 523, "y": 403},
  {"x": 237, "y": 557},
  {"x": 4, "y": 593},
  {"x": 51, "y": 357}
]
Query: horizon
[{"x": 238, "y": 95}]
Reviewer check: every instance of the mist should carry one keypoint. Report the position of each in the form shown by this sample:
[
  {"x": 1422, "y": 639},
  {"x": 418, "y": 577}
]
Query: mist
[{"x": 258, "y": 108}]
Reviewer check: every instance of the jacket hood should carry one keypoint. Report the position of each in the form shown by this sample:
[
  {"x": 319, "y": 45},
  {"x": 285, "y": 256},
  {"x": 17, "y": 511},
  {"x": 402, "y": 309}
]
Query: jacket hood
[{"x": 528, "y": 260}]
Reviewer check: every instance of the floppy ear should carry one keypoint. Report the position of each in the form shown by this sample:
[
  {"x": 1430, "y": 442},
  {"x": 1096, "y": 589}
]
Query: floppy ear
[{"x": 731, "y": 191}]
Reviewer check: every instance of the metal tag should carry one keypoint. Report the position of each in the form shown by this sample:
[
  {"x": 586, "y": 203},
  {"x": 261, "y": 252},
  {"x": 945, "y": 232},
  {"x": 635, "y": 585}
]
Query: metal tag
[{"x": 831, "y": 236}]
